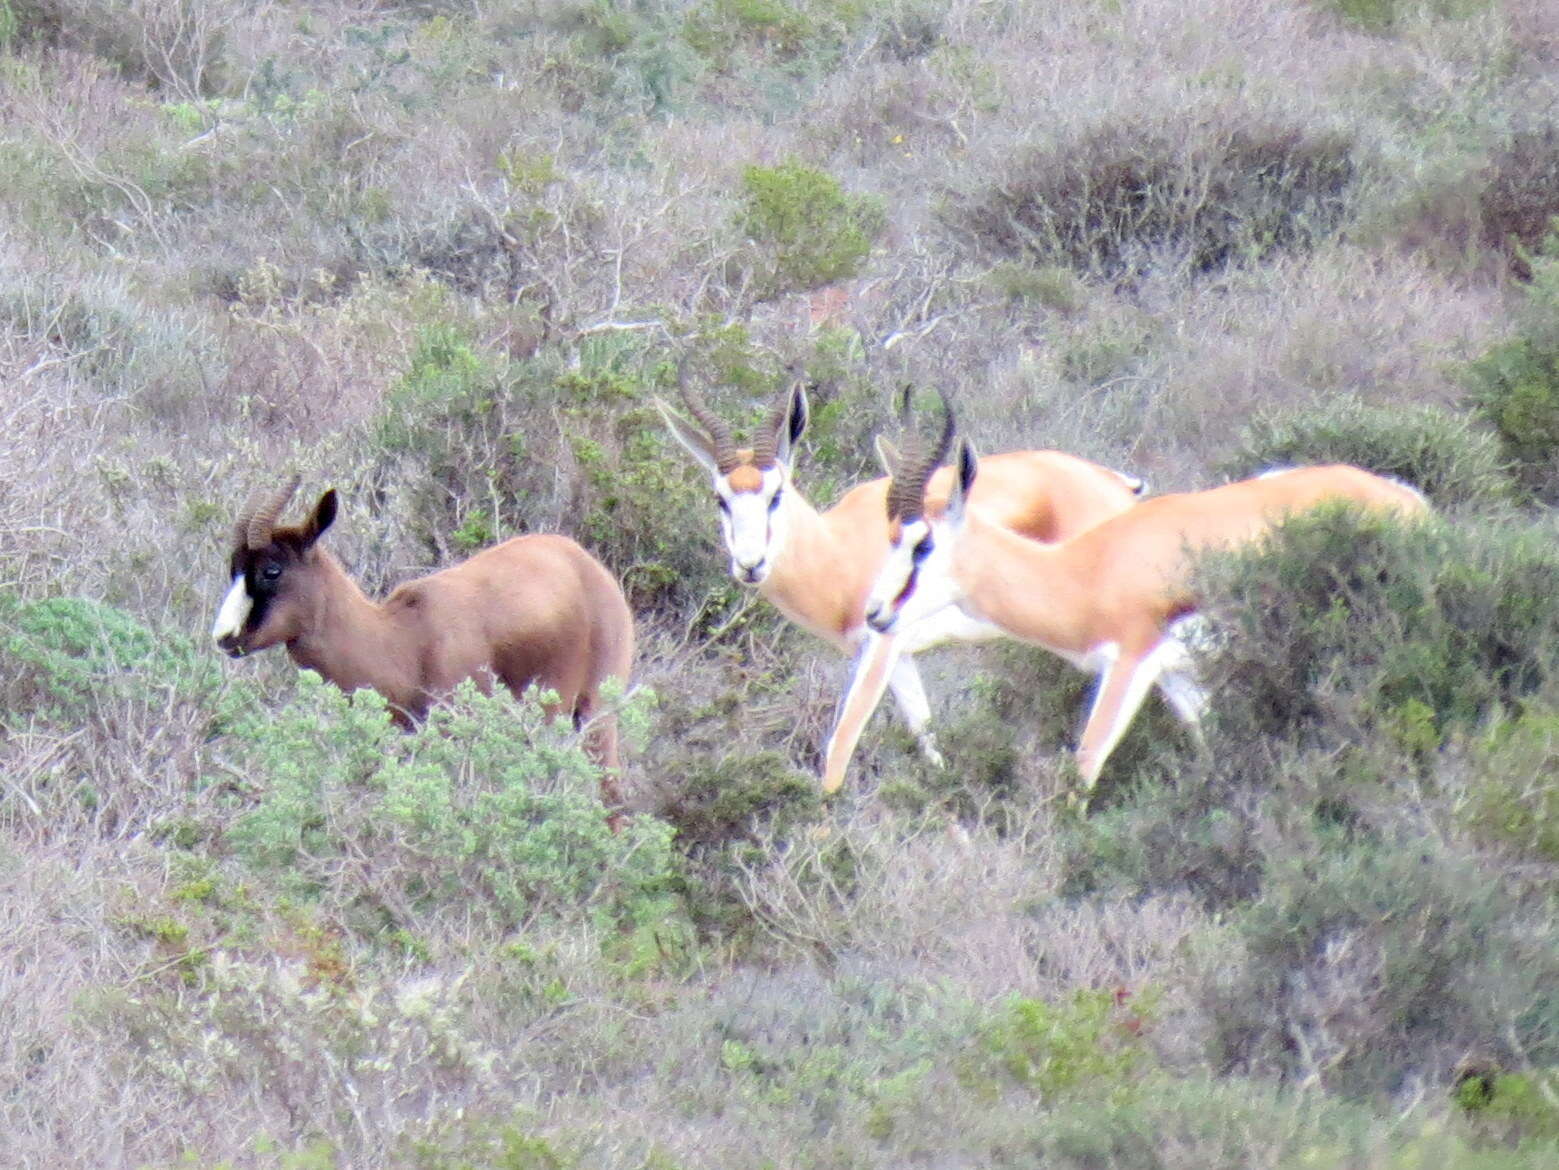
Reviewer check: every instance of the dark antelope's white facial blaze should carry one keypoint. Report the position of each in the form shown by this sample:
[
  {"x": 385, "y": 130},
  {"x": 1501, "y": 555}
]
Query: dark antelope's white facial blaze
[{"x": 233, "y": 614}]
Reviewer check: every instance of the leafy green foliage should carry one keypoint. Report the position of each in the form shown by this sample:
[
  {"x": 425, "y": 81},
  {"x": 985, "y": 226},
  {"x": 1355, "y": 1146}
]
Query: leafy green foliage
[
  {"x": 1090, "y": 1043},
  {"x": 812, "y": 231},
  {"x": 73, "y": 659},
  {"x": 485, "y": 807},
  {"x": 1447, "y": 456}
]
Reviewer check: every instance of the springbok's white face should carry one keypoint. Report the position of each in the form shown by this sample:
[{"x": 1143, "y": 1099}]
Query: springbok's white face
[
  {"x": 751, "y": 485},
  {"x": 752, "y": 517},
  {"x": 919, "y": 577}
]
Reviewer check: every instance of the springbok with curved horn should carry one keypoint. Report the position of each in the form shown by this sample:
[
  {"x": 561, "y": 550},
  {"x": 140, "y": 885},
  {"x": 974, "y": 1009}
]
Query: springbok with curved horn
[
  {"x": 817, "y": 567},
  {"x": 534, "y": 609},
  {"x": 1117, "y": 599}
]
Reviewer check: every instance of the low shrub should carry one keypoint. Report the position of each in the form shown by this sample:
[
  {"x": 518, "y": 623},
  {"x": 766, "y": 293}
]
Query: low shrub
[
  {"x": 811, "y": 232},
  {"x": 1447, "y": 456},
  {"x": 1511, "y": 798},
  {"x": 486, "y": 808},
  {"x": 1117, "y": 200},
  {"x": 1366, "y": 965},
  {"x": 1515, "y": 385},
  {"x": 72, "y": 660},
  {"x": 1519, "y": 204},
  {"x": 1343, "y": 625}
]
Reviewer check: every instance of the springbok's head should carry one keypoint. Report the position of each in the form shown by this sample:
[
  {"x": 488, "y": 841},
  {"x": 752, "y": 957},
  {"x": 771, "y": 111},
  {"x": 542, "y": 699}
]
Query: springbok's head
[
  {"x": 917, "y": 579},
  {"x": 749, "y": 482},
  {"x": 273, "y": 572}
]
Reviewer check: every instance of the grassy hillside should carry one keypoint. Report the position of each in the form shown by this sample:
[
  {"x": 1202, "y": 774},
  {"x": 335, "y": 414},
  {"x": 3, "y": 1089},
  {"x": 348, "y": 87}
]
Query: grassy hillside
[{"x": 443, "y": 257}]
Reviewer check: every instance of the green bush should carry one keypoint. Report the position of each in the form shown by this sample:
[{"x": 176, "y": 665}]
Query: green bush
[
  {"x": 1515, "y": 385},
  {"x": 1447, "y": 456},
  {"x": 811, "y": 231},
  {"x": 485, "y": 808},
  {"x": 1511, "y": 796},
  {"x": 72, "y": 660},
  {"x": 1088, "y": 1044},
  {"x": 1118, "y": 200},
  {"x": 1344, "y": 624}
]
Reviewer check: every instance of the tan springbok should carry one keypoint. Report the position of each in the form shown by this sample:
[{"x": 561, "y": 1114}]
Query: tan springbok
[
  {"x": 817, "y": 567},
  {"x": 1115, "y": 600}
]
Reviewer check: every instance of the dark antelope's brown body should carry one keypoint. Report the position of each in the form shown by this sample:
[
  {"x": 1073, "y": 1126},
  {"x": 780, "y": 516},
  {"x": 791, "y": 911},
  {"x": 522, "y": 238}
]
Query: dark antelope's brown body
[{"x": 535, "y": 610}]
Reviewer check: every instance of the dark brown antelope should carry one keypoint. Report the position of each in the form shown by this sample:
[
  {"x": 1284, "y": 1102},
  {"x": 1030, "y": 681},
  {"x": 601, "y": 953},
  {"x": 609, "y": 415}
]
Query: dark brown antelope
[{"x": 535, "y": 609}]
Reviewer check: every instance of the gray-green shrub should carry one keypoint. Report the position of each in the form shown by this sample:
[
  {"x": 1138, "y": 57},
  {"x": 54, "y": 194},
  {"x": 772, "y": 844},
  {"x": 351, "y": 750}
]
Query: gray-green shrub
[
  {"x": 486, "y": 808},
  {"x": 1450, "y": 457}
]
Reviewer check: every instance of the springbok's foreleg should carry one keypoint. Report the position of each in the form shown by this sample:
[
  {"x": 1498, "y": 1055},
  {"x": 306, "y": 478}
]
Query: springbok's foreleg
[
  {"x": 874, "y": 665},
  {"x": 910, "y": 695},
  {"x": 1122, "y": 688}
]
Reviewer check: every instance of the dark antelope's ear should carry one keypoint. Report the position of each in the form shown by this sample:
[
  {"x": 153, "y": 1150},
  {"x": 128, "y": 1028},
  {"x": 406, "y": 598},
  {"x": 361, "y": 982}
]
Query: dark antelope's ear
[
  {"x": 968, "y": 463},
  {"x": 323, "y": 517},
  {"x": 699, "y": 445}
]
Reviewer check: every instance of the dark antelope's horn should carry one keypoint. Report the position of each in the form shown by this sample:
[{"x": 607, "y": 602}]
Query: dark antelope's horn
[
  {"x": 259, "y": 514},
  {"x": 907, "y": 490}
]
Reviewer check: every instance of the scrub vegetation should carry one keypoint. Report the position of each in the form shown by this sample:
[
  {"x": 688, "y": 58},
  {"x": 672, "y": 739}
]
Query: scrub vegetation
[{"x": 445, "y": 256}]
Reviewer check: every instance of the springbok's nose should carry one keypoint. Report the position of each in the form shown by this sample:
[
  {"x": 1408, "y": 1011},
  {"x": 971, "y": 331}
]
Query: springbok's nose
[
  {"x": 877, "y": 617},
  {"x": 750, "y": 572}
]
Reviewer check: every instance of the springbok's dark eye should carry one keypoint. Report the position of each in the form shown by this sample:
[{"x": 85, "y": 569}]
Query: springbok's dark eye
[
  {"x": 725, "y": 505},
  {"x": 922, "y": 549},
  {"x": 774, "y": 500}
]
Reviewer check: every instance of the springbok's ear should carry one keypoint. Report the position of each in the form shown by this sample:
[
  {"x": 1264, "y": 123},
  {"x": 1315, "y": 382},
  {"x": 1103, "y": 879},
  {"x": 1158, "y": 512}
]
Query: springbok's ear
[
  {"x": 699, "y": 445},
  {"x": 968, "y": 463},
  {"x": 323, "y": 517},
  {"x": 888, "y": 455},
  {"x": 795, "y": 424}
]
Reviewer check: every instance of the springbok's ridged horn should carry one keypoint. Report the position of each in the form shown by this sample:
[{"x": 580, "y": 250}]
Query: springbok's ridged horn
[
  {"x": 907, "y": 489},
  {"x": 714, "y": 426},
  {"x": 257, "y": 521},
  {"x": 765, "y": 444}
]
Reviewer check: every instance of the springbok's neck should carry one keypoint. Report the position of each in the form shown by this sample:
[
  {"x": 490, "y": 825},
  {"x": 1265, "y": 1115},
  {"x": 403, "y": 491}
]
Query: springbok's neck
[
  {"x": 352, "y": 643},
  {"x": 821, "y": 576},
  {"x": 1037, "y": 592}
]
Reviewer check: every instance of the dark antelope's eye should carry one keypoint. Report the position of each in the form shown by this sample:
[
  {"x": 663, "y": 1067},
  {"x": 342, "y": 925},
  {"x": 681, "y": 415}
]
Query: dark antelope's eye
[
  {"x": 922, "y": 549},
  {"x": 270, "y": 572}
]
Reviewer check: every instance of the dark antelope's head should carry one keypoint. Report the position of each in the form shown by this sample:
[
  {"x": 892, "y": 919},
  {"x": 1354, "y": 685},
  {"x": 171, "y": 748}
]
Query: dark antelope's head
[
  {"x": 273, "y": 573},
  {"x": 749, "y": 482},
  {"x": 917, "y": 578}
]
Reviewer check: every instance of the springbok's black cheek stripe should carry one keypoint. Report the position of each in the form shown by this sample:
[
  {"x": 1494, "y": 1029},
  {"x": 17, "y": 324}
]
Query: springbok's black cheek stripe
[{"x": 909, "y": 587}]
